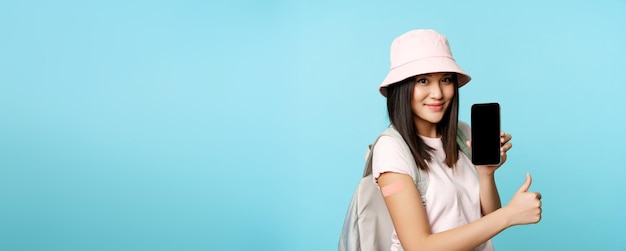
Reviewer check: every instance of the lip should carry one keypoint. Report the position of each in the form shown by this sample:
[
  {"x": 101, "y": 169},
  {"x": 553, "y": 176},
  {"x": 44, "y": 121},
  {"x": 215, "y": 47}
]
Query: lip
[{"x": 435, "y": 107}]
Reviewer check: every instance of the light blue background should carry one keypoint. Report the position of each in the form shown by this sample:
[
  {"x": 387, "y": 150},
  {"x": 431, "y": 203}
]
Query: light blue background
[{"x": 242, "y": 125}]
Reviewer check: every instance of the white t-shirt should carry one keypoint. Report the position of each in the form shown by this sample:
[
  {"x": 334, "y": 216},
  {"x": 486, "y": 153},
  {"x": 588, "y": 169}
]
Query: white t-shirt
[{"x": 452, "y": 196}]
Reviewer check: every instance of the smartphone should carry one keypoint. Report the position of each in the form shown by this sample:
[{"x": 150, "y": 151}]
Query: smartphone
[{"x": 485, "y": 126}]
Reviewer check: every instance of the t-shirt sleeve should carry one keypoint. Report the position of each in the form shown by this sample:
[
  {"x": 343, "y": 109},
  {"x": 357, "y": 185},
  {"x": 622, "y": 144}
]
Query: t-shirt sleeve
[{"x": 388, "y": 157}]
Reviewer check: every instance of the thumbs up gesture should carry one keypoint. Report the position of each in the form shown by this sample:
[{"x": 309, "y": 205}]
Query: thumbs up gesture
[{"x": 525, "y": 206}]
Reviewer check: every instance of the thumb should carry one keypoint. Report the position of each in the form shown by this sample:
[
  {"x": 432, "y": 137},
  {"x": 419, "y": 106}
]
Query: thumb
[
  {"x": 526, "y": 185},
  {"x": 468, "y": 144}
]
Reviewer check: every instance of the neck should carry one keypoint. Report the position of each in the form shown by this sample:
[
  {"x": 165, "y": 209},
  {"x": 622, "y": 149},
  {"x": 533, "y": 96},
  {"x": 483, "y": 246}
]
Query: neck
[{"x": 426, "y": 129}]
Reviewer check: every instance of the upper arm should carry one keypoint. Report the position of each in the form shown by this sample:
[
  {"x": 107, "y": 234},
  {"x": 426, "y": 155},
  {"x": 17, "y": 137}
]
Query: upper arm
[
  {"x": 406, "y": 210},
  {"x": 390, "y": 168}
]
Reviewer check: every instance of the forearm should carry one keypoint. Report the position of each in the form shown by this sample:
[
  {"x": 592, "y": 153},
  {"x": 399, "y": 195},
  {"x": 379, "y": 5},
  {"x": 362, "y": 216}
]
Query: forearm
[
  {"x": 489, "y": 196},
  {"x": 468, "y": 236}
]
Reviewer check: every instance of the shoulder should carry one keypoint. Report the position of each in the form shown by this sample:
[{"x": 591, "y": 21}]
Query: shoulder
[
  {"x": 387, "y": 145},
  {"x": 389, "y": 141},
  {"x": 389, "y": 156}
]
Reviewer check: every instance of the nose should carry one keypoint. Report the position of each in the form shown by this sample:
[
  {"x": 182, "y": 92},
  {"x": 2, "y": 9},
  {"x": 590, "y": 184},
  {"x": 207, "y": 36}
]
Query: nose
[{"x": 436, "y": 92}]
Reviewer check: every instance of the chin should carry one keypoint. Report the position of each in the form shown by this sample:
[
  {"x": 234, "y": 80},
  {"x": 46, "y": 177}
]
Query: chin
[{"x": 434, "y": 120}]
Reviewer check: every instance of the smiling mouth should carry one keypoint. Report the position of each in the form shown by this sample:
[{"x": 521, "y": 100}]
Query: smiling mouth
[{"x": 435, "y": 107}]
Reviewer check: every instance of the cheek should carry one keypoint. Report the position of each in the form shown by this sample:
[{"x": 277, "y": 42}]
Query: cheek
[
  {"x": 419, "y": 94},
  {"x": 418, "y": 98},
  {"x": 448, "y": 91}
]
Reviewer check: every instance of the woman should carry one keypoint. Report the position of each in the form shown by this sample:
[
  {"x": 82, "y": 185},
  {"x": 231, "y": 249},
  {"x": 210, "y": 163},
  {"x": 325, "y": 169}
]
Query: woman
[{"x": 462, "y": 209}]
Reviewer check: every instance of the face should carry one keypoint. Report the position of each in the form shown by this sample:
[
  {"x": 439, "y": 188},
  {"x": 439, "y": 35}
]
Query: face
[{"x": 432, "y": 95}]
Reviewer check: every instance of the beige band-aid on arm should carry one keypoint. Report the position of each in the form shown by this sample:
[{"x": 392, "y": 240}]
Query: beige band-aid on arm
[{"x": 392, "y": 188}]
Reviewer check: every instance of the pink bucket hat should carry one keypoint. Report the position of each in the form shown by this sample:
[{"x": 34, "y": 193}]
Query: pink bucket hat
[{"x": 419, "y": 52}]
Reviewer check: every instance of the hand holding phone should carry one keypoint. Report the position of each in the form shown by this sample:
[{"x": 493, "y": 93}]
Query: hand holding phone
[{"x": 485, "y": 126}]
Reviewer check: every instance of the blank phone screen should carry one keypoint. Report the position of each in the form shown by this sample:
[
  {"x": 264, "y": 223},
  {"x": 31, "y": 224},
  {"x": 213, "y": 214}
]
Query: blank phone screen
[{"x": 486, "y": 134}]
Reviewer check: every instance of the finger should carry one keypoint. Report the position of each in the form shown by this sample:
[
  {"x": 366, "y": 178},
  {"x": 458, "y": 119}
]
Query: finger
[
  {"x": 468, "y": 143},
  {"x": 505, "y": 137},
  {"x": 538, "y": 195},
  {"x": 506, "y": 147},
  {"x": 526, "y": 185}
]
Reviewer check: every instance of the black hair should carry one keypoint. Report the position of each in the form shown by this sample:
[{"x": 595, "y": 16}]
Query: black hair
[{"x": 399, "y": 109}]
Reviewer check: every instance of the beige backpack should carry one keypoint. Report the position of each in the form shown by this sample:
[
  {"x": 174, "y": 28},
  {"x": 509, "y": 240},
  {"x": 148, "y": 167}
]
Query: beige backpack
[{"x": 367, "y": 225}]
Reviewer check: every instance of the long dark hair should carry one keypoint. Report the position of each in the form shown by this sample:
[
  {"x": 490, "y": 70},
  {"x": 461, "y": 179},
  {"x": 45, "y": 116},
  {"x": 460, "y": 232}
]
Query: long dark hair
[{"x": 399, "y": 96}]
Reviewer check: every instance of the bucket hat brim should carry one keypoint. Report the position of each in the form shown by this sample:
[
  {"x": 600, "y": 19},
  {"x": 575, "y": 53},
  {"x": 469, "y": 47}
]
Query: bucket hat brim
[{"x": 424, "y": 66}]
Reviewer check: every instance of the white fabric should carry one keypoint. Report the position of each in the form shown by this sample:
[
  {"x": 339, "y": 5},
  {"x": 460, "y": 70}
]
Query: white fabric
[{"x": 452, "y": 197}]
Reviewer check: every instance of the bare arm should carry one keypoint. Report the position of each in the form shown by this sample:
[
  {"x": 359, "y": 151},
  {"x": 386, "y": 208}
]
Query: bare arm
[
  {"x": 489, "y": 196},
  {"x": 413, "y": 230}
]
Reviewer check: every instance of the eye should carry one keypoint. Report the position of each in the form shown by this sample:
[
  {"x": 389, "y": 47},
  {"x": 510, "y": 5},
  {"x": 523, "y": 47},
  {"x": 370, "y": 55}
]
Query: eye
[
  {"x": 447, "y": 80},
  {"x": 421, "y": 81}
]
